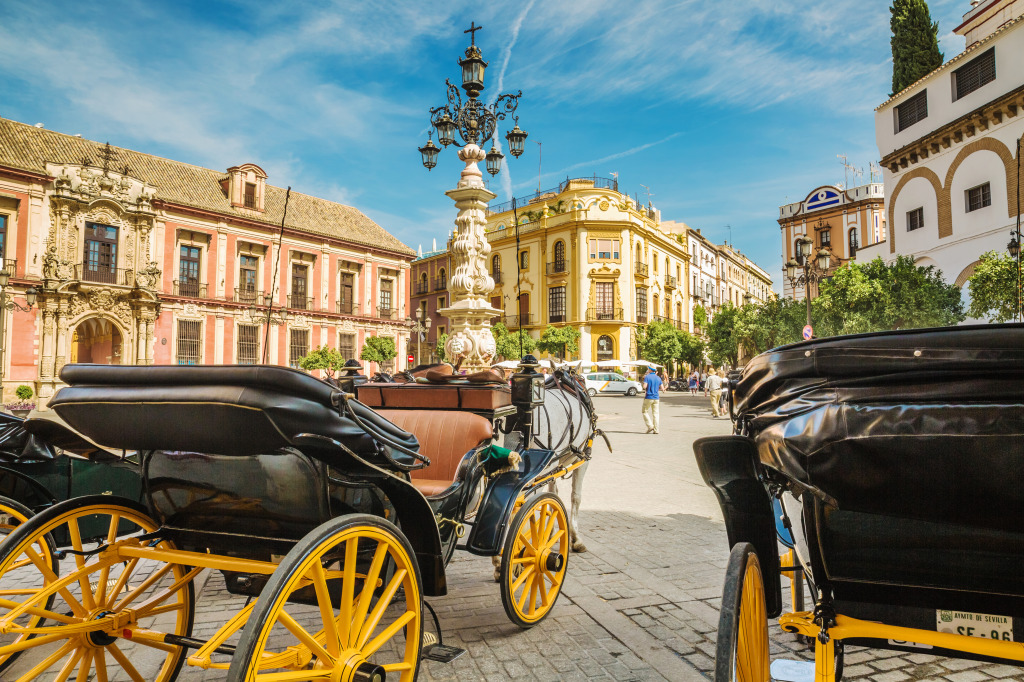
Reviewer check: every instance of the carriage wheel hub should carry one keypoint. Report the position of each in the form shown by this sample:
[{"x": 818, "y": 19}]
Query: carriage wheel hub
[
  {"x": 98, "y": 638},
  {"x": 352, "y": 667},
  {"x": 554, "y": 561}
]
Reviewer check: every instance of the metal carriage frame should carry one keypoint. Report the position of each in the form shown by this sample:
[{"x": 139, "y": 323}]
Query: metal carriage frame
[{"x": 382, "y": 555}]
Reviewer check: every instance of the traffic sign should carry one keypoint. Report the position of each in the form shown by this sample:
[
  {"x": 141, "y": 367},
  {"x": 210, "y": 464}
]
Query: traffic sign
[
  {"x": 808, "y": 332},
  {"x": 410, "y": 357}
]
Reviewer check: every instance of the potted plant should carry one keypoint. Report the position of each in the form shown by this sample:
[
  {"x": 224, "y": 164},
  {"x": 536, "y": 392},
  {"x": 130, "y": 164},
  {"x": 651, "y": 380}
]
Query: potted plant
[{"x": 23, "y": 406}]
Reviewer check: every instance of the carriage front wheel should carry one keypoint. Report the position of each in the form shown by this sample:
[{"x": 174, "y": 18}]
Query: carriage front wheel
[
  {"x": 534, "y": 559},
  {"x": 741, "y": 653},
  {"x": 360, "y": 572}
]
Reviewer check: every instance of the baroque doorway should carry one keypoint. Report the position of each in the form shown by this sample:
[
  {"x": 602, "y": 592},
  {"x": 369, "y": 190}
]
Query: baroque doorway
[{"x": 97, "y": 341}]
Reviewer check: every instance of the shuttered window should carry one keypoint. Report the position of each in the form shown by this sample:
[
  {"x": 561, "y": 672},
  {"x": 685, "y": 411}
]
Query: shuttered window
[
  {"x": 915, "y": 219},
  {"x": 347, "y": 346},
  {"x": 974, "y": 74},
  {"x": 298, "y": 346},
  {"x": 248, "y": 344},
  {"x": 190, "y": 342},
  {"x": 978, "y": 197},
  {"x": 556, "y": 304},
  {"x": 913, "y": 110}
]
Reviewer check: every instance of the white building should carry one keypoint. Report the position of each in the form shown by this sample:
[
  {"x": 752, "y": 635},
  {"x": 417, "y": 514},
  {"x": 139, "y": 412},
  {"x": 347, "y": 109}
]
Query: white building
[
  {"x": 950, "y": 149},
  {"x": 703, "y": 274}
]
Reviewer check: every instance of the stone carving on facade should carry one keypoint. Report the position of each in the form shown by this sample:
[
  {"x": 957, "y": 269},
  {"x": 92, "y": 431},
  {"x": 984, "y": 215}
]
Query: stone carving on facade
[
  {"x": 101, "y": 300},
  {"x": 300, "y": 321},
  {"x": 149, "y": 276},
  {"x": 348, "y": 326},
  {"x": 191, "y": 310}
]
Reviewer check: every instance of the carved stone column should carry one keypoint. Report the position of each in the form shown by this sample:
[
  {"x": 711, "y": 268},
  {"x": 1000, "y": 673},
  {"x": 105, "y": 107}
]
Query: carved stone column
[
  {"x": 46, "y": 352},
  {"x": 470, "y": 283},
  {"x": 62, "y": 340}
]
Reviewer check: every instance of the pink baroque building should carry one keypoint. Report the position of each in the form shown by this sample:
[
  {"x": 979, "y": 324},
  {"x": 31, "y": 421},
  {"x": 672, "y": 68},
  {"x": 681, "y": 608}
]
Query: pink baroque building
[{"x": 137, "y": 259}]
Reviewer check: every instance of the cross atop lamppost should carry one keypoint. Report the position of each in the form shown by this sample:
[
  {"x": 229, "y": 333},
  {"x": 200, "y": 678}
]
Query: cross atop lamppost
[{"x": 469, "y": 284}]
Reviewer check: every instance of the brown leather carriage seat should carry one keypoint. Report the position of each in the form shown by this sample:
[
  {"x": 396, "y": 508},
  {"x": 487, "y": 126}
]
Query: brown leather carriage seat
[{"x": 444, "y": 437}]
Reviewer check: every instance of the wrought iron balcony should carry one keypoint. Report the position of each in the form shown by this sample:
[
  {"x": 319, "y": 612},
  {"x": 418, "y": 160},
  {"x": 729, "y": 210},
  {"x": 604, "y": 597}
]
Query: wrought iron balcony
[
  {"x": 440, "y": 283},
  {"x": 189, "y": 289},
  {"x": 422, "y": 287},
  {"x": 300, "y": 302},
  {"x": 664, "y": 318},
  {"x": 558, "y": 267},
  {"x": 345, "y": 308},
  {"x": 387, "y": 313},
  {"x": 641, "y": 269},
  {"x": 512, "y": 321},
  {"x": 249, "y": 296},
  {"x": 97, "y": 272},
  {"x": 604, "y": 314},
  {"x": 560, "y": 317},
  {"x": 671, "y": 282},
  {"x": 641, "y": 318}
]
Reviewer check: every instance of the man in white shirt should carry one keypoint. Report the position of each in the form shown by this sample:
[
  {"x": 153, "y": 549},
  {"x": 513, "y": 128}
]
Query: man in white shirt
[{"x": 714, "y": 389}]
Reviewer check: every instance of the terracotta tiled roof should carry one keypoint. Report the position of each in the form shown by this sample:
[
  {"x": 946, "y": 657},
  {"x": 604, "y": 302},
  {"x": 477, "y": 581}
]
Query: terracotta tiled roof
[{"x": 29, "y": 148}]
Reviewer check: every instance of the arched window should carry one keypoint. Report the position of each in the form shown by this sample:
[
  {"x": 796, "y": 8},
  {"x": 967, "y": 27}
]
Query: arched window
[
  {"x": 524, "y": 260},
  {"x": 657, "y": 305},
  {"x": 679, "y": 313},
  {"x": 605, "y": 348},
  {"x": 854, "y": 240},
  {"x": 423, "y": 284},
  {"x": 639, "y": 254},
  {"x": 496, "y": 266},
  {"x": 667, "y": 271},
  {"x": 559, "y": 256},
  {"x": 442, "y": 279}
]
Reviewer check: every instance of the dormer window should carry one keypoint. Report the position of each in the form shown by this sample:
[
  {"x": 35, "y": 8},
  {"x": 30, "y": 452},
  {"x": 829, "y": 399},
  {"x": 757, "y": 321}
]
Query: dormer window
[{"x": 246, "y": 187}]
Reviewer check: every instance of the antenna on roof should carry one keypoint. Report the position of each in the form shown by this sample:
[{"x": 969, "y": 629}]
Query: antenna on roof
[
  {"x": 649, "y": 195},
  {"x": 847, "y": 167}
]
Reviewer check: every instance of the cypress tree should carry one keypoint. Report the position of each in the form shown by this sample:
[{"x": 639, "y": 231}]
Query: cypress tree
[{"x": 915, "y": 43}]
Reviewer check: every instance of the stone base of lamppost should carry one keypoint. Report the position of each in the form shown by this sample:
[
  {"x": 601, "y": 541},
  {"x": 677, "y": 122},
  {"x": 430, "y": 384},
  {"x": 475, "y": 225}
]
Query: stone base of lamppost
[{"x": 470, "y": 340}]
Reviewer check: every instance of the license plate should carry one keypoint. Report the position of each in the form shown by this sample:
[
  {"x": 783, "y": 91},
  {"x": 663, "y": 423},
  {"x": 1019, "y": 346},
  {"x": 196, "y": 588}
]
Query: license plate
[{"x": 975, "y": 624}]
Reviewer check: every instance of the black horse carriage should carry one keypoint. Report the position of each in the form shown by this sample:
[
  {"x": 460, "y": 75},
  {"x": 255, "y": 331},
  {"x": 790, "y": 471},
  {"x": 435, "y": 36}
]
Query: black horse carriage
[
  {"x": 338, "y": 517},
  {"x": 894, "y": 462}
]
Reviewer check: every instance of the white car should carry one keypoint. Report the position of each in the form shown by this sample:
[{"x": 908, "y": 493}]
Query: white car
[{"x": 610, "y": 382}]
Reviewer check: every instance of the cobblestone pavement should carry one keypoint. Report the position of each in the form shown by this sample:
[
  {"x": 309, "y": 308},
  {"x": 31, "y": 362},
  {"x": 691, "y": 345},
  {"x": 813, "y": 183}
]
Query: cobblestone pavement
[{"x": 642, "y": 603}]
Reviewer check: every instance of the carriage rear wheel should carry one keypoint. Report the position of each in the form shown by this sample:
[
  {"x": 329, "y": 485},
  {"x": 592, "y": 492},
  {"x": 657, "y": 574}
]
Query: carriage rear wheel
[
  {"x": 12, "y": 515},
  {"x": 367, "y": 623},
  {"x": 534, "y": 559},
  {"x": 742, "y": 649},
  {"x": 78, "y": 614}
]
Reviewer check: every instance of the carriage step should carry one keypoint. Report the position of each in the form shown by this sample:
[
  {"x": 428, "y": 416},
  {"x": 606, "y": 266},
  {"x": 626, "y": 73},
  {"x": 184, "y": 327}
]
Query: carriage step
[{"x": 442, "y": 653}]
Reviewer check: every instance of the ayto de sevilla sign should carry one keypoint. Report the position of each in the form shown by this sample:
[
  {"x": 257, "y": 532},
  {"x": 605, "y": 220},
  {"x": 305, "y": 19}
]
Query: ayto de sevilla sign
[{"x": 808, "y": 332}]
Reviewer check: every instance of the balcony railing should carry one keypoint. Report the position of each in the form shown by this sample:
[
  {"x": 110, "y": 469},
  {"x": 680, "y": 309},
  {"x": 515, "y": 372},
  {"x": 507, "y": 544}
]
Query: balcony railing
[
  {"x": 95, "y": 272},
  {"x": 518, "y": 320},
  {"x": 189, "y": 289},
  {"x": 387, "y": 313},
  {"x": 641, "y": 318},
  {"x": 422, "y": 287},
  {"x": 300, "y": 302},
  {"x": 440, "y": 283},
  {"x": 558, "y": 267},
  {"x": 557, "y": 317},
  {"x": 598, "y": 183},
  {"x": 604, "y": 313},
  {"x": 249, "y": 296},
  {"x": 10, "y": 266},
  {"x": 496, "y": 276},
  {"x": 671, "y": 282},
  {"x": 345, "y": 308},
  {"x": 642, "y": 269},
  {"x": 678, "y": 324}
]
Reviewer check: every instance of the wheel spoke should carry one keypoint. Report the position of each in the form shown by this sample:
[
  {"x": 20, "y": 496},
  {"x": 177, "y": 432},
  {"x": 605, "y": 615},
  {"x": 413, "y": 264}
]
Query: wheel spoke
[
  {"x": 522, "y": 577},
  {"x": 392, "y": 667},
  {"x": 101, "y": 666},
  {"x": 156, "y": 576},
  {"x": 294, "y": 676},
  {"x": 76, "y": 542},
  {"x": 47, "y": 662},
  {"x": 126, "y": 665},
  {"x": 303, "y": 636},
  {"x": 542, "y": 590},
  {"x": 101, "y": 586},
  {"x": 388, "y": 633},
  {"x": 378, "y": 611},
  {"x": 149, "y": 607},
  {"x": 348, "y": 587},
  {"x": 551, "y": 543},
  {"x": 44, "y": 568},
  {"x": 323, "y": 600},
  {"x": 84, "y": 667},
  {"x": 369, "y": 585},
  {"x": 39, "y": 611}
]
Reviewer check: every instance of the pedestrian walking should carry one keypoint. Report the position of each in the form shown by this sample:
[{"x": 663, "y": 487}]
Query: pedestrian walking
[
  {"x": 704, "y": 383},
  {"x": 723, "y": 403},
  {"x": 694, "y": 382},
  {"x": 713, "y": 387},
  {"x": 652, "y": 386}
]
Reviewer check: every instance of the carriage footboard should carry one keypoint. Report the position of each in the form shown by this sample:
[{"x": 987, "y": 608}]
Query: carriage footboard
[{"x": 727, "y": 465}]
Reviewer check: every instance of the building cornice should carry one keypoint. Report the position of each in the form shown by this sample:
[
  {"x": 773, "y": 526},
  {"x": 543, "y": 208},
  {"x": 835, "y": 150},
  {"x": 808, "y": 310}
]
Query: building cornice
[
  {"x": 1008, "y": 105},
  {"x": 22, "y": 174}
]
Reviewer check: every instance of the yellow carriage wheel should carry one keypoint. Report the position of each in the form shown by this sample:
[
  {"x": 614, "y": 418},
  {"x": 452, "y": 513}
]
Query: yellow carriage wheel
[
  {"x": 12, "y": 515},
  {"x": 534, "y": 559},
  {"x": 88, "y": 607},
  {"x": 345, "y": 604},
  {"x": 742, "y": 648}
]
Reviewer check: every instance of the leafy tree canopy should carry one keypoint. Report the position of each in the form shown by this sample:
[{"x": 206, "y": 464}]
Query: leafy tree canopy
[
  {"x": 691, "y": 348},
  {"x": 723, "y": 341},
  {"x": 658, "y": 342},
  {"x": 327, "y": 359},
  {"x": 378, "y": 349},
  {"x": 700, "y": 317},
  {"x": 993, "y": 288},
  {"x": 915, "y": 44},
  {"x": 559, "y": 340},
  {"x": 876, "y": 296},
  {"x": 442, "y": 340},
  {"x": 512, "y": 346},
  {"x": 773, "y": 323}
]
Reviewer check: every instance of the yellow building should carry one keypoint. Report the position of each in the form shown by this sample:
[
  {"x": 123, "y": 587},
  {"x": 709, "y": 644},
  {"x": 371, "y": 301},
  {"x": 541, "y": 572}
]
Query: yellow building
[{"x": 591, "y": 257}]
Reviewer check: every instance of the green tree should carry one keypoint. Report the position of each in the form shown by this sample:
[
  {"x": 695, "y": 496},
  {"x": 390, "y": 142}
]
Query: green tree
[
  {"x": 378, "y": 349},
  {"x": 876, "y": 296},
  {"x": 700, "y": 318},
  {"x": 561, "y": 341},
  {"x": 442, "y": 354},
  {"x": 773, "y": 323},
  {"x": 723, "y": 342},
  {"x": 993, "y": 288},
  {"x": 692, "y": 348},
  {"x": 327, "y": 359},
  {"x": 24, "y": 392},
  {"x": 658, "y": 342},
  {"x": 915, "y": 44},
  {"x": 512, "y": 346}
]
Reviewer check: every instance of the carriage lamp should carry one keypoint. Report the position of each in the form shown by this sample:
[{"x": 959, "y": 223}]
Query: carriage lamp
[
  {"x": 473, "y": 67},
  {"x": 494, "y": 158},
  {"x": 516, "y": 139},
  {"x": 1013, "y": 248},
  {"x": 528, "y": 384},
  {"x": 429, "y": 152},
  {"x": 446, "y": 129}
]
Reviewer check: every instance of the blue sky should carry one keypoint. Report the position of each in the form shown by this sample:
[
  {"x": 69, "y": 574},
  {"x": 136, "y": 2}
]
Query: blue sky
[{"x": 723, "y": 109}]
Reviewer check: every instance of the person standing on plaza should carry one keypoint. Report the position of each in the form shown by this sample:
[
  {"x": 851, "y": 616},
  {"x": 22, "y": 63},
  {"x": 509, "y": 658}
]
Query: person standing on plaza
[
  {"x": 694, "y": 382},
  {"x": 704, "y": 383},
  {"x": 713, "y": 387},
  {"x": 652, "y": 387}
]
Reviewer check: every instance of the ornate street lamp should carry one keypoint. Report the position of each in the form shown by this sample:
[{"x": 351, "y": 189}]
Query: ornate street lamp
[
  {"x": 814, "y": 269},
  {"x": 1014, "y": 246},
  {"x": 469, "y": 312}
]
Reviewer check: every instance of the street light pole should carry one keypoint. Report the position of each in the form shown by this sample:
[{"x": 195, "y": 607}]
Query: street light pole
[
  {"x": 814, "y": 270},
  {"x": 419, "y": 327},
  {"x": 5, "y": 305}
]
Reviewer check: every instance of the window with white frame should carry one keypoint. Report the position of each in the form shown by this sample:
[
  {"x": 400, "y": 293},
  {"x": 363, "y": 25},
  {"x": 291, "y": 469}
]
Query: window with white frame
[
  {"x": 978, "y": 197},
  {"x": 189, "y": 342},
  {"x": 248, "y": 344},
  {"x": 298, "y": 346},
  {"x": 915, "y": 219}
]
